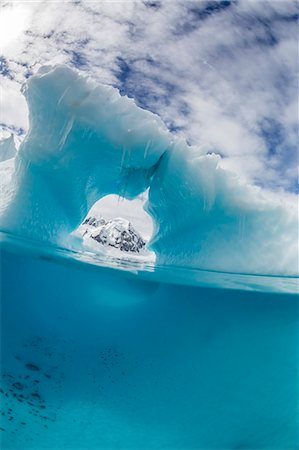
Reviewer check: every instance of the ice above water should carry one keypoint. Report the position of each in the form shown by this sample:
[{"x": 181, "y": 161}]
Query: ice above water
[
  {"x": 7, "y": 148},
  {"x": 86, "y": 141}
]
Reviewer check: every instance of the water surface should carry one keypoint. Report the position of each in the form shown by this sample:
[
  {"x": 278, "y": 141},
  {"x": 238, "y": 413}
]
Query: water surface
[{"x": 116, "y": 354}]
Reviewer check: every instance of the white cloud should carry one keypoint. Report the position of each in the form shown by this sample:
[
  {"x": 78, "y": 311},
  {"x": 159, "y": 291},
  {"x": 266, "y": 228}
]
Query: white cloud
[
  {"x": 225, "y": 77},
  {"x": 14, "y": 17},
  {"x": 13, "y": 111}
]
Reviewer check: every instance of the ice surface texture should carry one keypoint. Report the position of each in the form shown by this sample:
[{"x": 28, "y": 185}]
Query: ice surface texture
[
  {"x": 86, "y": 141},
  {"x": 7, "y": 148}
]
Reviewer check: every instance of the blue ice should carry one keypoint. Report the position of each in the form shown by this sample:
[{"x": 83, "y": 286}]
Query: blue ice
[
  {"x": 86, "y": 141},
  {"x": 107, "y": 353}
]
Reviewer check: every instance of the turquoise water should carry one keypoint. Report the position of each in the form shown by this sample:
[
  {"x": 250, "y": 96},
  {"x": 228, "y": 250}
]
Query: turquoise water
[{"x": 121, "y": 356}]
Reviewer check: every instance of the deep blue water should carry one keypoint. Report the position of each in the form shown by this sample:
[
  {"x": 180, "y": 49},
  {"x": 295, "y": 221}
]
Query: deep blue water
[{"x": 94, "y": 357}]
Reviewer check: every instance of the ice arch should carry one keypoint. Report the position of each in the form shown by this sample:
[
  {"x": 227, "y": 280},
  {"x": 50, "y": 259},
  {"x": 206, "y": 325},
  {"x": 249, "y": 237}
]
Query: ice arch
[{"x": 86, "y": 141}]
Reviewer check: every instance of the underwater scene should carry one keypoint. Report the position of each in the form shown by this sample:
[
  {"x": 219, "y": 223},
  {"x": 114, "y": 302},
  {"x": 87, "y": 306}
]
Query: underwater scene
[{"x": 124, "y": 356}]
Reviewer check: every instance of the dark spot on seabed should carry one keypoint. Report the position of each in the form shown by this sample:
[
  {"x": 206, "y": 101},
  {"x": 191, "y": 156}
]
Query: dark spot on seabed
[
  {"x": 32, "y": 367},
  {"x": 2, "y": 429},
  {"x": 35, "y": 394}
]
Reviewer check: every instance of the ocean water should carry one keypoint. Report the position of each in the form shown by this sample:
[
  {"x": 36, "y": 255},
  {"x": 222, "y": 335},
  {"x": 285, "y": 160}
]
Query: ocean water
[{"x": 119, "y": 355}]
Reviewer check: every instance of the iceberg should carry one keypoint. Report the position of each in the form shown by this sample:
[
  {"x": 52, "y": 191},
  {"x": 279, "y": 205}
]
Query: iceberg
[
  {"x": 86, "y": 141},
  {"x": 103, "y": 348}
]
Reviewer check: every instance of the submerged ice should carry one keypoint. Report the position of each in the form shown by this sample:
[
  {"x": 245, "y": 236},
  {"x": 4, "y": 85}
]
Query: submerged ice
[{"x": 86, "y": 141}]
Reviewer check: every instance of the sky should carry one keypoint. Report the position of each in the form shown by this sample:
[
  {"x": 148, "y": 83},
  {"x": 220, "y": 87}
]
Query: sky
[{"x": 222, "y": 74}]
